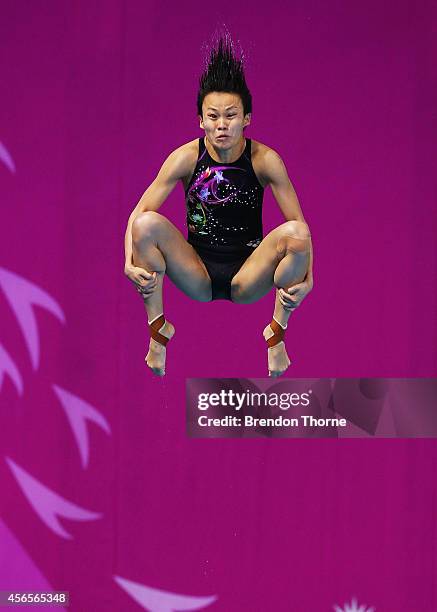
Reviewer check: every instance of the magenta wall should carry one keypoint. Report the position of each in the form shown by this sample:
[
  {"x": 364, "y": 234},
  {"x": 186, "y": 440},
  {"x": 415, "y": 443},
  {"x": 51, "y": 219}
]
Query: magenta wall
[{"x": 102, "y": 493}]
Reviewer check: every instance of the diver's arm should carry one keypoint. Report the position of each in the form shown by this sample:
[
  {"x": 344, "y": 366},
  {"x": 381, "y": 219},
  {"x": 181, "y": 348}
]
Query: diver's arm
[
  {"x": 275, "y": 174},
  {"x": 309, "y": 276},
  {"x": 177, "y": 165}
]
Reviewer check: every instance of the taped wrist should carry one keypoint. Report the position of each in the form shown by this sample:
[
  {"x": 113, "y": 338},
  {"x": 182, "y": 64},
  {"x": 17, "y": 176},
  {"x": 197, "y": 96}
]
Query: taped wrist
[
  {"x": 278, "y": 333},
  {"x": 155, "y": 326}
]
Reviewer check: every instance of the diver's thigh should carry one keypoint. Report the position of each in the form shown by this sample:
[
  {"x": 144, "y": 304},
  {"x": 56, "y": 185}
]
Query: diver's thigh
[
  {"x": 255, "y": 277},
  {"x": 183, "y": 265}
]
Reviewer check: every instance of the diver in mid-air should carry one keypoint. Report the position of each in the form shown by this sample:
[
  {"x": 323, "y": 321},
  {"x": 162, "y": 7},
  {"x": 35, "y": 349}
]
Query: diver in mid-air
[{"x": 225, "y": 256}]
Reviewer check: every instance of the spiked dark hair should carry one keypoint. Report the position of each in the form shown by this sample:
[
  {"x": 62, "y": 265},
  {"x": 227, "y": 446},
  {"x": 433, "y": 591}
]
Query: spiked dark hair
[{"x": 224, "y": 71}]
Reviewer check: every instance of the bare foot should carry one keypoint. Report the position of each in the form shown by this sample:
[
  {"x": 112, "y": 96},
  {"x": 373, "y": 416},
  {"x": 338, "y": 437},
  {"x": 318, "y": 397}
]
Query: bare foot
[
  {"x": 155, "y": 358},
  {"x": 278, "y": 360}
]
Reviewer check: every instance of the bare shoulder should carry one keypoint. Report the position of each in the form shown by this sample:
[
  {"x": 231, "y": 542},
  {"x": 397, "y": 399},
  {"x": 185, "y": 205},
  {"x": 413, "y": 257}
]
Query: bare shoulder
[
  {"x": 267, "y": 163},
  {"x": 182, "y": 161}
]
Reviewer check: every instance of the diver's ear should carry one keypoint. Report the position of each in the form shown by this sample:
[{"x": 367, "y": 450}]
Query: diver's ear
[
  {"x": 247, "y": 118},
  {"x": 201, "y": 122}
]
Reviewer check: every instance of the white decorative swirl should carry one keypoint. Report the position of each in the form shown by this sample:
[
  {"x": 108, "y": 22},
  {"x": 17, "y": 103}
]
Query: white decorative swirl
[
  {"x": 156, "y": 600},
  {"x": 22, "y": 296},
  {"x": 7, "y": 366},
  {"x": 78, "y": 412},
  {"x": 48, "y": 504},
  {"x": 6, "y": 158}
]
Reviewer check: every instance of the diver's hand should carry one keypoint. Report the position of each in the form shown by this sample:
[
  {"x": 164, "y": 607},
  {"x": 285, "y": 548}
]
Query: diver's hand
[
  {"x": 145, "y": 282},
  {"x": 292, "y": 297}
]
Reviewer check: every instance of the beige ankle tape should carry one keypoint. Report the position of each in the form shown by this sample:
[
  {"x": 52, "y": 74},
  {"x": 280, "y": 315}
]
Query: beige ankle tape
[
  {"x": 278, "y": 333},
  {"x": 155, "y": 326}
]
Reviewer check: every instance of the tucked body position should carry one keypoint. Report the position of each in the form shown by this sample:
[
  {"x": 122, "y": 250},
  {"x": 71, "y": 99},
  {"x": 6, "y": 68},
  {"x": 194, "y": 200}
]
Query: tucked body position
[{"x": 226, "y": 255}]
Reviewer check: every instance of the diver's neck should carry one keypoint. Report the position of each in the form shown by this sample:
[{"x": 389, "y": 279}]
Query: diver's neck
[{"x": 229, "y": 155}]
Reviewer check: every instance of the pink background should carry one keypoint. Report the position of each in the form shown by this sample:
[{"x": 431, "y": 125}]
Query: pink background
[{"x": 95, "y": 95}]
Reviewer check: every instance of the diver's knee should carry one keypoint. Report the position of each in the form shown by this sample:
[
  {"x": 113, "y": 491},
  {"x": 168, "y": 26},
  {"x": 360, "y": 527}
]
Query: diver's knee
[
  {"x": 296, "y": 229},
  {"x": 202, "y": 291},
  {"x": 204, "y": 294},
  {"x": 241, "y": 294},
  {"x": 295, "y": 238},
  {"x": 146, "y": 224}
]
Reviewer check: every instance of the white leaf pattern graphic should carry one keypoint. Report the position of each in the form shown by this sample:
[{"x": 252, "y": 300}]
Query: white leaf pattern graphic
[
  {"x": 22, "y": 295},
  {"x": 156, "y": 600},
  {"x": 16, "y": 562},
  {"x": 78, "y": 412},
  {"x": 353, "y": 607},
  {"x": 6, "y": 158},
  {"x": 7, "y": 366},
  {"x": 47, "y": 504}
]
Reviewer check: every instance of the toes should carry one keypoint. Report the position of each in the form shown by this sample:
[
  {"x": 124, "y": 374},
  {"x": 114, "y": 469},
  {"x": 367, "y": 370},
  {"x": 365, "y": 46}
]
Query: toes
[
  {"x": 156, "y": 370},
  {"x": 276, "y": 373}
]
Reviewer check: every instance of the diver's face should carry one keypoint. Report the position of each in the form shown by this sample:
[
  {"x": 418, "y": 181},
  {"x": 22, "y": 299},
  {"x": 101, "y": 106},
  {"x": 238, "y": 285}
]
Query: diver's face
[{"x": 223, "y": 119}]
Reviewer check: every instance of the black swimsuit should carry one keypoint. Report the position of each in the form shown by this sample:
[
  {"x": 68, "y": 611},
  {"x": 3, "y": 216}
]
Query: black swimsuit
[{"x": 224, "y": 215}]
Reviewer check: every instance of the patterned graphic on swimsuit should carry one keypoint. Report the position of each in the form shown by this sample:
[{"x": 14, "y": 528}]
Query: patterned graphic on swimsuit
[
  {"x": 210, "y": 188},
  {"x": 224, "y": 202}
]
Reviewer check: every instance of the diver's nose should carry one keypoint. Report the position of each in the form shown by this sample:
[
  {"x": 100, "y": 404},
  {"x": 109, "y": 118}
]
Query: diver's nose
[{"x": 221, "y": 124}]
